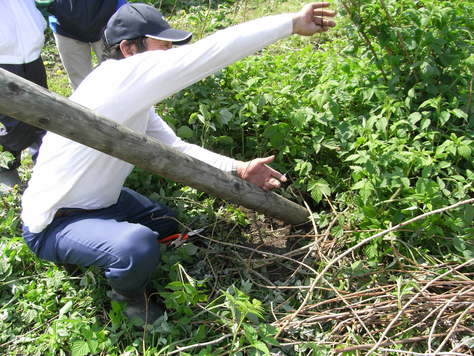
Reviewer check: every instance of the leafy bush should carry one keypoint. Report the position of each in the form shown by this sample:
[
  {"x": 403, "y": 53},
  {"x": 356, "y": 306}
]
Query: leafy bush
[{"x": 378, "y": 120}]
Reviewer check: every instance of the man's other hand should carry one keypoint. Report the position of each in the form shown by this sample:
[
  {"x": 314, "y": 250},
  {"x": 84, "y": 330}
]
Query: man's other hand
[
  {"x": 258, "y": 173},
  {"x": 313, "y": 18}
]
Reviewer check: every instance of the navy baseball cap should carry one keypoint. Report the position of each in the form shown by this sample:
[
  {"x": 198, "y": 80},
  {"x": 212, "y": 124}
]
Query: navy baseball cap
[{"x": 141, "y": 20}]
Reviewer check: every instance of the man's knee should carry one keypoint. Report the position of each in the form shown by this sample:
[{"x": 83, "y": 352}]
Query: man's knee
[
  {"x": 139, "y": 249},
  {"x": 138, "y": 254}
]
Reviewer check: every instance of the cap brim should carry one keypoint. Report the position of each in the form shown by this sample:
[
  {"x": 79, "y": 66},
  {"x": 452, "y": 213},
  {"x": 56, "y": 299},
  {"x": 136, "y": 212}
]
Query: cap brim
[{"x": 178, "y": 37}]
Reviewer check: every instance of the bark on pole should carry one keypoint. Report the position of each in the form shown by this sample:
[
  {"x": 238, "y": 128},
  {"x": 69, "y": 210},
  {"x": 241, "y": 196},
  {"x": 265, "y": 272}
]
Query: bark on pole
[{"x": 30, "y": 103}]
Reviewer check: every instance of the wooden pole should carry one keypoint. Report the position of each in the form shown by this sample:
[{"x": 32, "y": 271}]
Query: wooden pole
[{"x": 30, "y": 103}]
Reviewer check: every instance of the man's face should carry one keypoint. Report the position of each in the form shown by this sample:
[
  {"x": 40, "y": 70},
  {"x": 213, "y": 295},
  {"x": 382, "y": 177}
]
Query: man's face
[{"x": 152, "y": 44}]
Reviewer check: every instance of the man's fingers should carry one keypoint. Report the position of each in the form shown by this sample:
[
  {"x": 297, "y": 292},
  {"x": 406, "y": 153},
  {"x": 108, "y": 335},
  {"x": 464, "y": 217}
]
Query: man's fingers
[
  {"x": 323, "y": 22},
  {"x": 266, "y": 160},
  {"x": 272, "y": 183},
  {"x": 324, "y": 13},
  {"x": 317, "y": 5},
  {"x": 277, "y": 175}
]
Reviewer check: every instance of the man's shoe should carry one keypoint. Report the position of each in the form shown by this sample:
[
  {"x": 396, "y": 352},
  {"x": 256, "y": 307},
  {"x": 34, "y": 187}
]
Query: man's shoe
[
  {"x": 140, "y": 308},
  {"x": 8, "y": 179}
]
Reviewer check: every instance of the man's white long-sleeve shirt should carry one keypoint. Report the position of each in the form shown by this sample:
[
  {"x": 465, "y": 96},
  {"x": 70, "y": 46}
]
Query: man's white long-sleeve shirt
[
  {"x": 21, "y": 31},
  {"x": 69, "y": 174}
]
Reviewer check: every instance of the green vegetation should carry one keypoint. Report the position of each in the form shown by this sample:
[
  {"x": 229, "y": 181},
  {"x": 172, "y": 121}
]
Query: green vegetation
[{"x": 374, "y": 125}]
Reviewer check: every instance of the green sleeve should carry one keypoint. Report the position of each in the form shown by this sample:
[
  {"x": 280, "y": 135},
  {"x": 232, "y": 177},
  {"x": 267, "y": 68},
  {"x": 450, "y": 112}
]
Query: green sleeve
[{"x": 43, "y": 6}]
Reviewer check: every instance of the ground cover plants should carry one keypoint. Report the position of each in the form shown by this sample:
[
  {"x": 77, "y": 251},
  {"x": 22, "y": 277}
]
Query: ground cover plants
[{"x": 373, "y": 125}]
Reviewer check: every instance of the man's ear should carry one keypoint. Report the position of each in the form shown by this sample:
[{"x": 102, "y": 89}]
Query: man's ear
[{"x": 127, "y": 49}]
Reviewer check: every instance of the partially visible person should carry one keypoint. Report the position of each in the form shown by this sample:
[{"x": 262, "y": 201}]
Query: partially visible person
[
  {"x": 76, "y": 209},
  {"x": 21, "y": 40},
  {"x": 77, "y": 26}
]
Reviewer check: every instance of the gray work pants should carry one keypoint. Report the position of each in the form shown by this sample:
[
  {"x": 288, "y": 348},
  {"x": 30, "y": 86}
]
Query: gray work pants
[{"x": 76, "y": 57}]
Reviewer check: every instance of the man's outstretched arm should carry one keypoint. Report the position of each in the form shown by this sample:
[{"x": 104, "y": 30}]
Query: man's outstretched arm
[{"x": 155, "y": 75}]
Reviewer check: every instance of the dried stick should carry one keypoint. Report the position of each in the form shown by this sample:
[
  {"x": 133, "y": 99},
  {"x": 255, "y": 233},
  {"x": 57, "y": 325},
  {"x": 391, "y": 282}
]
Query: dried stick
[
  {"x": 212, "y": 342},
  {"x": 409, "y": 340},
  {"x": 262, "y": 253},
  {"x": 454, "y": 327},
  {"x": 420, "y": 322},
  {"x": 441, "y": 313},
  {"x": 362, "y": 243},
  {"x": 216, "y": 278},
  {"x": 404, "y": 352},
  {"x": 18, "y": 338},
  {"x": 412, "y": 300},
  {"x": 314, "y": 246},
  {"x": 463, "y": 343},
  {"x": 350, "y": 307}
]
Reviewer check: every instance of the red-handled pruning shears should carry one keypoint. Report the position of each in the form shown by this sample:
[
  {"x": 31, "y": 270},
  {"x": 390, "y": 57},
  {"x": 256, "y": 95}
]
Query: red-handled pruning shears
[{"x": 177, "y": 240}]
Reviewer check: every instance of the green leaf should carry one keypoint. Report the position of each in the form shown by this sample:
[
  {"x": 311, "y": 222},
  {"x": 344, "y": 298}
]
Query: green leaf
[
  {"x": 226, "y": 116},
  {"x": 80, "y": 348},
  {"x": 382, "y": 124},
  {"x": 301, "y": 116},
  {"x": 316, "y": 147},
  {"x": 318, "y": 188},
  {"x": 185, "y": 132},
  {"x": 459, "y": 113},
  {"x": 405, "y": 181},
  {"x": 252, "y": 81},
  {"x": 428, "y": 70},
  {"x": 425, "y": 123},
  {"x": 318, "y": 99},
  {"x": 251, "y": 107},
  {"x": 352, "y": 157},
  {"x": 459, "y": 244},
  {"x": 469, "y": 214},
  {"x": 465, "y": 151},
  {"x": 225, "y": 140},
  {"x": 303, "y": 167},
  {"x": 444, "y": 117},
  {"x": 358, "y": 268},
  {"x": 414, "y": 117},
  {"x": 277, "y": 134},
  {"x": 250, "y": 333},
  {"x": 5, "y": 159},
  {"x": 93, "y": 344},
  {"x": 262, "y": 347},
  {"x": 189, "y": 249},
  {"x": 429, "y": 102},
  {"x": 470, "y": 62},
  {"x": 365, "y": 188},
  {"x": 65, "y": 308},
  {"x": 359, "y": 185}
]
